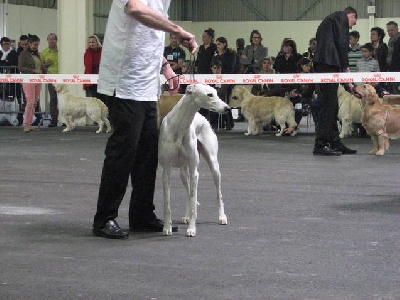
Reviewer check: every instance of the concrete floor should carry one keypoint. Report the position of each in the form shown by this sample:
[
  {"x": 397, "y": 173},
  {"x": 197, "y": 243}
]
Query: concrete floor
[{"x": 300, "y": 226}]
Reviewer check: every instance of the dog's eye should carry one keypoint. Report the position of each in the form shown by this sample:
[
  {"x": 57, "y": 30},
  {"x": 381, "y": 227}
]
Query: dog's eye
[{"x": 210, "y": 95}]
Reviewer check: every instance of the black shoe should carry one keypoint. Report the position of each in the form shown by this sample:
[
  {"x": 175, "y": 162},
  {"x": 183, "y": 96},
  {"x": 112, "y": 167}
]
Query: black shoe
[
  {"x": 111, "y": 231},
  {"x": 342, "y": 148},
  {"x": 52, "y": 125},
  {"x": 326, "y": 151},
  {"x": 153, "y": 226}
]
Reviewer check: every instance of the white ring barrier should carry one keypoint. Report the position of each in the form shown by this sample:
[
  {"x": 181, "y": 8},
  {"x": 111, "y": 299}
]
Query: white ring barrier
[{"x": 218, "y": 78}]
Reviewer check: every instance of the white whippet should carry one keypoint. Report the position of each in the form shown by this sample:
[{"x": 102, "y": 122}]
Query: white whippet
[{"x": 184, "y": 133}]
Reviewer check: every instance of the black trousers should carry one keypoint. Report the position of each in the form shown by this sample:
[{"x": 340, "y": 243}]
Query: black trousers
[
  {"x": 327, "y": 130},
  {"x": 53, "y": 103},
  {"x": 131, "y": 151}
]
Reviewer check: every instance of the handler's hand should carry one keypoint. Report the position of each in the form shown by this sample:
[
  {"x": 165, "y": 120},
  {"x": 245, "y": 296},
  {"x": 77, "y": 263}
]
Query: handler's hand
[{"x": 188, "y": 40}]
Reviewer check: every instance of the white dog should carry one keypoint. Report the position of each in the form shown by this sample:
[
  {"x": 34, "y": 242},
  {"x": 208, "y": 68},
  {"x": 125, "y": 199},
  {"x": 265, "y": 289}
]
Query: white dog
[
  {"x": 184, "y": 134},
  {"x": 350, "y": 111},
  {"x": 71, "y": 107},
  {"x": 259, "y": 111}
]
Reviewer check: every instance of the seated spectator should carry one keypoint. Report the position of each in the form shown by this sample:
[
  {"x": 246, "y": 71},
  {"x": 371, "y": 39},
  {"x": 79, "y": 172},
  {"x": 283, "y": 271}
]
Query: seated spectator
[
  {"x": 91, "y": 60},
  {"x": 239, "y": 46},
  {"x": 304, "y": 92},
  {"x": 174, "y": 54},
  {"x": 228, "y": 58},
  {"x": 253, "y": 54},
  {"x": 312, "y": 46},
  {"x": 367, "y": 63},
  {"x": 206, "y": 52},
  {"x": 380, "y": 48},
  {"x": 354, "y": 50},
  {"x": 226, "y": 120},
  {"x": 286, "y": 62},
  {"x": 265, "y": 89}
]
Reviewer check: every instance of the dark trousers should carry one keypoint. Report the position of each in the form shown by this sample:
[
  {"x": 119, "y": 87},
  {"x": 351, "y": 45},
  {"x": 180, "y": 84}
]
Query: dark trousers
[
  {"x": 53, "y": 103},
  {"x": 131, "y": 151},
  {"x": 327, "y": 130}
]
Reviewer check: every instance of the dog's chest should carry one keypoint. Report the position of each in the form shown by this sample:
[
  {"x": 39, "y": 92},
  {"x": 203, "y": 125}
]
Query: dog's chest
[{"x": 179, "y": 150}]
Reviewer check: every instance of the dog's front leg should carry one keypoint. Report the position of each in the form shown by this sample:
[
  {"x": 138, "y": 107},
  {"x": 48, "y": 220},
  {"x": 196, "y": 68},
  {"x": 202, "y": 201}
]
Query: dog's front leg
[
  {"x": 167, "y": 230},
  {"x": 184, "y": 173},
  {"x": 381, "y": 144},
  {"x": 68, "y": 122},
  {"x": 375, "y": 142},
  {"x": 251, "y": 127},
  {"x": 194, "y": 179}
]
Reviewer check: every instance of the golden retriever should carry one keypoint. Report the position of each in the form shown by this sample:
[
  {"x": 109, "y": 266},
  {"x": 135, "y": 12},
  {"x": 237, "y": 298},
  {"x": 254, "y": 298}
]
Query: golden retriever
[
  {"x": 71, "y": 107},
  {"x": 259, "y": 111},
  {"x": 350, "y": 111},
  {"x": 381, "y": 121},
  {"x": 165, "y": 104}
]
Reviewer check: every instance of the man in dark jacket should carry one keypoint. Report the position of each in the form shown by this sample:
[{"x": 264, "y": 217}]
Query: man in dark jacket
[{"x": 331, "y": 57}]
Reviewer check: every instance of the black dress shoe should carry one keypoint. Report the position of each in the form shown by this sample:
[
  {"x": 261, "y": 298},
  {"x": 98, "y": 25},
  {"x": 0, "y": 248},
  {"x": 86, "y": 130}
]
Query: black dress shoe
[
  {"x": 326, "y": 151},
  {"x": 52, "y": 124},
  {"x": 155, "y": 225},
  {"x": 111, "y": 231},
  {"x": 342, "y": 148}
]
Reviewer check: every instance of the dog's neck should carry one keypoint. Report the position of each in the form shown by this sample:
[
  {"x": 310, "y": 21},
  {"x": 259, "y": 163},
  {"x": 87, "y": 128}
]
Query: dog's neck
[{"x": 182, "y": 115}]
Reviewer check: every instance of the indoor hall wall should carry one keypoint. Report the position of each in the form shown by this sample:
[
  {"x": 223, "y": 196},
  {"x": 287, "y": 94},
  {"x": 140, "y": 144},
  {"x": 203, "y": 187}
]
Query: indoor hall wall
[{"x": 27, "y": 19}]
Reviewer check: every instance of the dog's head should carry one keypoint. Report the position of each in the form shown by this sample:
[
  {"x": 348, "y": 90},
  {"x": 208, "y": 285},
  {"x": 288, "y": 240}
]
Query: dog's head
[
  {"x": 206, "y": 97},
  {"x": 61, "y": 88},
  {"x": 238, "y": 92},
  {"x": 368, "y": 94}
]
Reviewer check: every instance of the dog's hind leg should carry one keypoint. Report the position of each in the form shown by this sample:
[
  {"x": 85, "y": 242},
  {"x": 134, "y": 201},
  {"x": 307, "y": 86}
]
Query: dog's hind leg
[
  {"x": 210, "y": 155},
  {"x": 101, "y": 126},
  {"x": 108, "y": 125},
  {"x": 166, "y": 173}
]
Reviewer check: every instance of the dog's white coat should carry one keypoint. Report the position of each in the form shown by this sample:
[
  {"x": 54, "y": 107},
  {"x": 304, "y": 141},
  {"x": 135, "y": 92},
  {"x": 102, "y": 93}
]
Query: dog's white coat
[
  {"x": 71, "y": 107},
  {"x": 184, "y": 134},
  {"x": 350, "y": 111}
]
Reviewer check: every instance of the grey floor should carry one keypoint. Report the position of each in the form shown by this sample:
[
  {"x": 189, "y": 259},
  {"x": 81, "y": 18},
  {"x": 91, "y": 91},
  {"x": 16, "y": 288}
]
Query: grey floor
[{"x": 300, "y": 226}]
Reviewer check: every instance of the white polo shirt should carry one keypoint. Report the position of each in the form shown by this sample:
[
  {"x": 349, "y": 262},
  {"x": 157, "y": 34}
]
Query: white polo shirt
[{"x": 132, "y": 54}]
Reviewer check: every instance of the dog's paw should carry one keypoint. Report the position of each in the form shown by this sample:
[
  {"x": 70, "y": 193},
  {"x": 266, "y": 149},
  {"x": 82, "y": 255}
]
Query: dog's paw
[
  {"x": 185, "y": 220},
  {"x": 167, "y": 231},
  {"x": 380, "y": 152},
  {"x": 373, "y": 152},
  {"x": 246, "y": 133},
  {"x": 108, "y": 130},
  {"x": 191, "y": 232},
  {"x": 223, "y": 220},
  {"x": 98, "y": 131},
  {"x": 278, "y": 134},
  {"x": 66, "y": 130},
  {"x": 294, "y": 133}
]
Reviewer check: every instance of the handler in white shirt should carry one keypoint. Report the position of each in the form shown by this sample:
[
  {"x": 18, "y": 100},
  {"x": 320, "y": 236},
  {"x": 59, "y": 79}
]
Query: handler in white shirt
[{"x": 129, "y": 80}]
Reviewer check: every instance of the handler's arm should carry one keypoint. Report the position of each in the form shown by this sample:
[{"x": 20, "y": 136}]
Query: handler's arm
[{"x": 149, "y": 17}]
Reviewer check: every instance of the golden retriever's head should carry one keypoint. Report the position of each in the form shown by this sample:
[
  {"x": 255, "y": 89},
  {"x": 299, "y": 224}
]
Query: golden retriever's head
[
  {"x": 61, "y": 88},
  {"x": 368, "y": 94},
  {"x": 239, "y": 92}
]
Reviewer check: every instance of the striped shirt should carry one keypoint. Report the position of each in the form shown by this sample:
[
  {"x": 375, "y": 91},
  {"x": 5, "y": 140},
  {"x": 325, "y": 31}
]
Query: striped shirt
[{"x": 367, "y": 65}]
